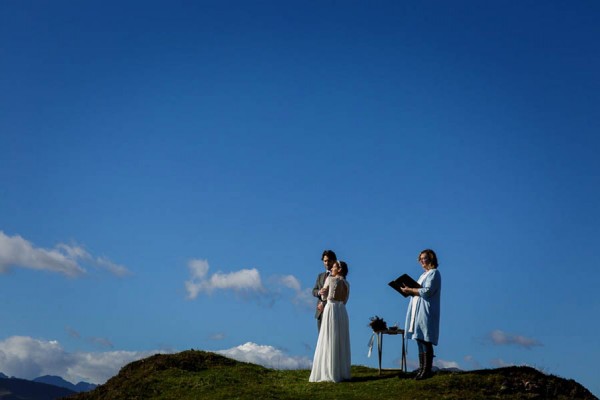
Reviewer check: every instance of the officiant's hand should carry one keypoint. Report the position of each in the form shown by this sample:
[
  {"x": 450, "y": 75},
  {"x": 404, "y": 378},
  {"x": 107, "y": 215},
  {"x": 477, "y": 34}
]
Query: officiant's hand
[{"x": 406, "y": 290}]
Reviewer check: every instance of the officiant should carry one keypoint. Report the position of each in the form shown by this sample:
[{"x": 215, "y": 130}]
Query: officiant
[{"x": 423, "y": 314}]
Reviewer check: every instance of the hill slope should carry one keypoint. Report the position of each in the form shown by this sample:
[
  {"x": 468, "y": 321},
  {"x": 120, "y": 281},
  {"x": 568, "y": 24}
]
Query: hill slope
[{"x": 197, "y": 374}]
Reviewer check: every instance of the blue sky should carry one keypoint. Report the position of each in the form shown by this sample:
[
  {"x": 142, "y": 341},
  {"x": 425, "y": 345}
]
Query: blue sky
[{"x": 172, "y": 171}]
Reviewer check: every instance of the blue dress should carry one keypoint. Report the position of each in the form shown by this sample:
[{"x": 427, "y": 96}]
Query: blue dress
[{"x": 426, "y": 322}]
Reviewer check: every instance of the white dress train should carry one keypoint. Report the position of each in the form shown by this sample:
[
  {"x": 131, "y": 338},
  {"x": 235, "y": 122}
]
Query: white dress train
[{"x": 332, "y": 358}]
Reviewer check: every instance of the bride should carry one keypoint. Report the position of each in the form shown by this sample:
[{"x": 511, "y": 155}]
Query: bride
[{"x": 332, "y": 355}]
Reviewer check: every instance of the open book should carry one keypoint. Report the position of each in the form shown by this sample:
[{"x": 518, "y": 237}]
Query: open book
[{"x": 404, "y": 280}]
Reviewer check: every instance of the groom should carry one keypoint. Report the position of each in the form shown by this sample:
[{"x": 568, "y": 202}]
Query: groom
[{"x": 328, "y": 259}]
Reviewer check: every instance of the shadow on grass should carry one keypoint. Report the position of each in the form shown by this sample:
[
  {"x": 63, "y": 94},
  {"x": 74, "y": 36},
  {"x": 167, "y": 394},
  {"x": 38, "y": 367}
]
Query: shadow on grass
[{"x": 369, "y": 378}]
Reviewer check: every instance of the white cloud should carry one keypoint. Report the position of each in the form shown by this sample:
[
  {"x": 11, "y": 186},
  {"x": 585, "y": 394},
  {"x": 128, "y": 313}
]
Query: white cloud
[
  {"x": 198, "y": 268},
  {"x": 74, "y": 252},
  {"x": 267, "y": 356},
  {"x": 245, "y": 280},
  {"x": 289, "y": 281},
  {"x": 446, "y": 364},
  {"x": 499, "y": 337},
  {"x": 18, "y": 252},
  {"x": 28, "y": 358}
]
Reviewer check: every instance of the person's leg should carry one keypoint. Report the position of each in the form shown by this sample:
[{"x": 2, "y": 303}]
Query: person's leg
[
  {"x": 421, "y": 346},
  {"x": 428, "y": 361}
]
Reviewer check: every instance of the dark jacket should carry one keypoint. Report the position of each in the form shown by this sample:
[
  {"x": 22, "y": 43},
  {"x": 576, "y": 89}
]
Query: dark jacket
[{"x": 318, "y": 286}]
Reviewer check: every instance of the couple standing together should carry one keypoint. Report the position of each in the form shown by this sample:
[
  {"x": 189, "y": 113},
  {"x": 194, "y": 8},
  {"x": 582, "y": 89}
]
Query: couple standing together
[{"x": 332, "y": 359}]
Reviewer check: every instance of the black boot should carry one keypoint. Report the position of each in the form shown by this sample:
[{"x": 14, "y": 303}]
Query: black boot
[
  {"x": 427, "y": 371},
  {"x": 421, "y": 365}
]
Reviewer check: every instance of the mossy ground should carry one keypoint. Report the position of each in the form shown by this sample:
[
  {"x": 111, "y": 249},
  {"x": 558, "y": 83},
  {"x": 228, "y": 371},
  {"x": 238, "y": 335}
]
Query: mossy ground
[{"x": 201, "y": 375}]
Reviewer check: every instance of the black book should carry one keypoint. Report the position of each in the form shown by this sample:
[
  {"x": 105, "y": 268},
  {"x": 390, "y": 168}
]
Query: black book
[{"x": 404, "y": 280}]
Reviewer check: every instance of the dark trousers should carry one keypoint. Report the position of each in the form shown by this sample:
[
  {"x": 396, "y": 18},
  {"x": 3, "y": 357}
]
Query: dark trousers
[{"x": 424, "y": 347}]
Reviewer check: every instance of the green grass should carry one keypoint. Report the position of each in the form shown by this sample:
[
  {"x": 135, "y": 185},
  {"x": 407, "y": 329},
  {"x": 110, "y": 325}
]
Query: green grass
[{"x": 201, "y": 375}]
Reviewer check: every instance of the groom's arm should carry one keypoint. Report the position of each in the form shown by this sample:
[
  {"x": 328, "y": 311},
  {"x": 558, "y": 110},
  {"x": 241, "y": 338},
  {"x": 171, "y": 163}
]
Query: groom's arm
[{"x": 315, "y": 291}]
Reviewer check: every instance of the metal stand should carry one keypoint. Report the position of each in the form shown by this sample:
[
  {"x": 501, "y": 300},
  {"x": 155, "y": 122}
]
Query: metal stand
[{"x": 380, "y": 334}]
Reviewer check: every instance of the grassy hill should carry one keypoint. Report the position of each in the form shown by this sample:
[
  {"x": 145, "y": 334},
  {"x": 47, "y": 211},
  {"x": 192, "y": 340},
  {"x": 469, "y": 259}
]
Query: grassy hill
[{"x": 201, "y": 375}]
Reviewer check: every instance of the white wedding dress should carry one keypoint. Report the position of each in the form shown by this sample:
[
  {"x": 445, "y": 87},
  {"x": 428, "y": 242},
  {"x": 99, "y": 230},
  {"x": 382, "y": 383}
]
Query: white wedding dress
[{"x": 332, "y": 355}]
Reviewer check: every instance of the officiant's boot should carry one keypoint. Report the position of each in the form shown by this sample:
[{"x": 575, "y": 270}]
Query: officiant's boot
[
  {"x": 421, "y": 366},
  {"x": 427, "y": 371}
]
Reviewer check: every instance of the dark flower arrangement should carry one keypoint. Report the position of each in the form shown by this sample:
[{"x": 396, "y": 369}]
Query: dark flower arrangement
[{"x": 377, "y": 324}]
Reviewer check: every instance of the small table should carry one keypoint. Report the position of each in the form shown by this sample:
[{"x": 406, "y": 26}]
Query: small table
[{"x": 380, "y": 345}]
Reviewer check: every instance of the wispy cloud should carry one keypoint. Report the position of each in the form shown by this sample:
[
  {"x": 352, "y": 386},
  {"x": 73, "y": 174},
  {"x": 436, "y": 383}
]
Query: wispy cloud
[
  {"x": 499, "y": 363},
  {"x": 472, "y": 362},
  {"x": 18, "y": 252},
  {"x": 102, "y": 342},
  {"x": 96, "y": 341},
  {"x": 246, "y": 281},
  {"x": 499, "y": 337},
  {"x": 301, "y": 297},
  {"x": 242, "y": 281},
  {"x": 110, "y": 266},
  {"x": 267, "y": 356},
  {"x": 28, "y": 358},
  {"x": 305, "y": 299},
  {"x": 288, "y": 281},
  {"x": 102, "y": 262},
  {"x": 72, "y": 332},
  {"x": 217, "y": 336}
]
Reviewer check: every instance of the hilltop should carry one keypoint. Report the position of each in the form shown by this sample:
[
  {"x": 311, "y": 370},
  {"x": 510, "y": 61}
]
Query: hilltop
[{"x": 197, "y": 374}]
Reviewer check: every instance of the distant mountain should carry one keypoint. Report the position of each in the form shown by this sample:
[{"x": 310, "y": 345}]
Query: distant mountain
[
  {"x": 60, "y": 382},
  {"x": 22, "y": 389},
  {"x": 85, "y": 387}
]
